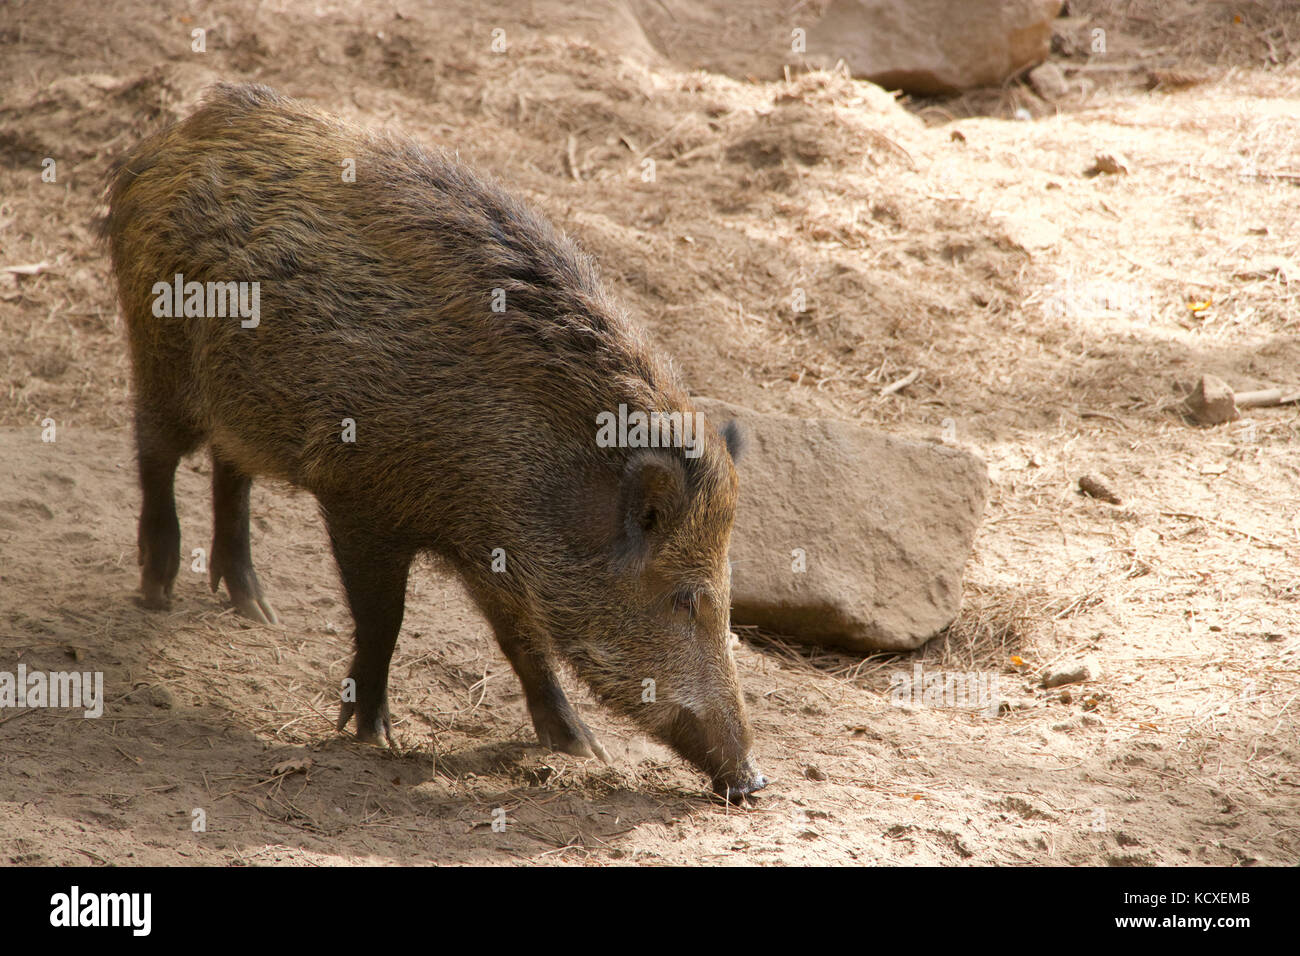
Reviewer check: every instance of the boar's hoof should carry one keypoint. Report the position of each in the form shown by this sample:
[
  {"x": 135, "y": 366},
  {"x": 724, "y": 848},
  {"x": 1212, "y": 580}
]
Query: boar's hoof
[
  {"x": 245, "y": 590},
  {"x": 569, "y": 736},
  {"x": 377, "y": 730},
  {"x": 256, "y": 609},
  {"x": 155, "y": 595}
]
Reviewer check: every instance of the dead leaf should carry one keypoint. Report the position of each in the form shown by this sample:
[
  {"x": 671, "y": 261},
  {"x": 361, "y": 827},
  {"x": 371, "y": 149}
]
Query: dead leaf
[{"x": 292, "y": 765}]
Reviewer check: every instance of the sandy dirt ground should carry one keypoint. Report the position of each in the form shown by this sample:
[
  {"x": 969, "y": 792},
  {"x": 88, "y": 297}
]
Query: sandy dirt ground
[{"x": 1056, "y": 319}]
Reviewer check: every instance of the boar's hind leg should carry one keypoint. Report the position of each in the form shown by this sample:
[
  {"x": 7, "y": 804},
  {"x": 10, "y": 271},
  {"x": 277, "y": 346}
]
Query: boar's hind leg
[
  {"x": 159, "y": 447},
  {"x": 557, "y": 724},
  {"x": 231, "y": 557},
  {"x": 374, "y": 571}
]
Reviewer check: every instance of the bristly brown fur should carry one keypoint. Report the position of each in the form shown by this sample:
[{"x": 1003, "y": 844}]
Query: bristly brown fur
[{"x": 475, "y": 429}]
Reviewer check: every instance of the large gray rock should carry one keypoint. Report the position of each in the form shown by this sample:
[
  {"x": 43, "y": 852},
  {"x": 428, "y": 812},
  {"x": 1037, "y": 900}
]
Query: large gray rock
[
  {"x": 881, "y": 528},
  {"x": 933, "y": 46}
]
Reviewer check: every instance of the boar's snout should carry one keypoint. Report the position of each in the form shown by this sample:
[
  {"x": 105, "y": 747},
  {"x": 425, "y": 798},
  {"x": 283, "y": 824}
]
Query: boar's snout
[
  {"x": 720, "y": 746},
  {"x": 737, "y": 789}
]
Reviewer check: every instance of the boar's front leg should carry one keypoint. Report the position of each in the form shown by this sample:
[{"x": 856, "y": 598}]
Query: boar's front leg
[
  {"x": 374, "y": 569},
  {"x": 557, "y": 724}
]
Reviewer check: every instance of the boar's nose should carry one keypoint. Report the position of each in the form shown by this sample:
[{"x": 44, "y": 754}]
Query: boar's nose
[{"x": 737, "y": 790}]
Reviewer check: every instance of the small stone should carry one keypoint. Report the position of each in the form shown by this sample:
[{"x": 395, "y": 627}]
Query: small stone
[
  {"x": 1049, "y": 81},
  {"x": 1071, "y": 672},
  {"x": 158, "y": 697},
  {"x": 1212, "y": 402},
  {"x": 814, "y": 773}
]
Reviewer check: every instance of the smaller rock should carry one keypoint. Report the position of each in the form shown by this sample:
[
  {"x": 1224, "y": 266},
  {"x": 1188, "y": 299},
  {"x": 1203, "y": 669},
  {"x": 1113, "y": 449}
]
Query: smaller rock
[
  {"x": 1071, "y": 672},
  {"x": 156, "y": 695},
  {"x": 1049, "y": 81},
  {"x": 1212, "y": 402},
  {"x": 1113, "y": 164},
  {"x": 813, "y": 772}
]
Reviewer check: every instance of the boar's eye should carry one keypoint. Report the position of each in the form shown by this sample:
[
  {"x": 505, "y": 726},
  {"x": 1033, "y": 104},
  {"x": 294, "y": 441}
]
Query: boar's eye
[{"x": 686, "y": 602}]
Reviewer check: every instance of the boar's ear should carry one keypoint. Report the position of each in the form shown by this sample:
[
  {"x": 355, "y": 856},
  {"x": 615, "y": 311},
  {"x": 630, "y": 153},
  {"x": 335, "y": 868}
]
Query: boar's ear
[
  {"x": 735, "y": 439},
  {"x": 652, "y": 495}
]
